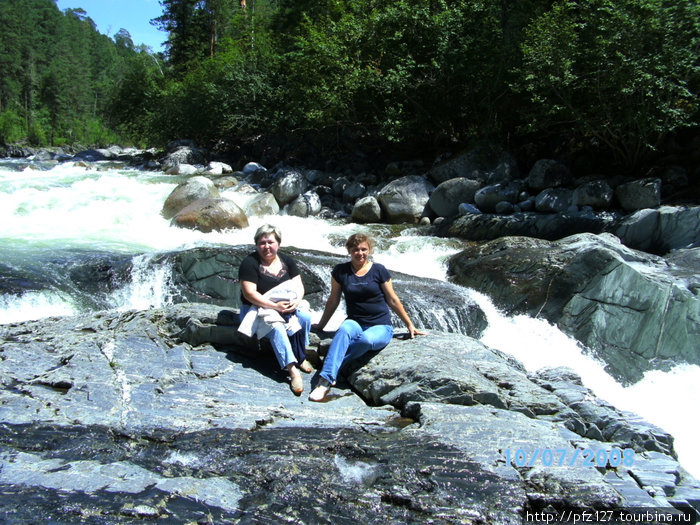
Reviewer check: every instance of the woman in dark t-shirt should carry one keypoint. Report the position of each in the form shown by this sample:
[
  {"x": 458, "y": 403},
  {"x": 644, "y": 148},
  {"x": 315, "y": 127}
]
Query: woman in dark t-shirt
[
  {"x": 369, "y": 294},
  {"x": 260, "y": 272}
]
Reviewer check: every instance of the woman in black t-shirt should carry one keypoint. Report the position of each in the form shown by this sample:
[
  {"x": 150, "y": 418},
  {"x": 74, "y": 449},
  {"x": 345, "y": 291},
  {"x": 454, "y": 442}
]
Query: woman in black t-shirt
[
  {"x": 369, "y": 294},
  {"x": 262, "y": 271}
]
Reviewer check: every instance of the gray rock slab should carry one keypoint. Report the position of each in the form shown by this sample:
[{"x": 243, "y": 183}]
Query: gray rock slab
[{"x": 120, "y": 372}]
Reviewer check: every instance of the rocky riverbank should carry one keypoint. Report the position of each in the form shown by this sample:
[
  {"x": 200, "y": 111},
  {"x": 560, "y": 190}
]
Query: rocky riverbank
[
  {"x": 117, "y": 418},
  {"x": 480, "y": 194}
]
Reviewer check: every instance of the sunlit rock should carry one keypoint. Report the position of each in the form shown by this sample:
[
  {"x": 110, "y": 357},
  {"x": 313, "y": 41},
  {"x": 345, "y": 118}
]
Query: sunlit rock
[
  {"x": 211, "y": 214},
  {"x": 188, "y": 192},
  {"x": 367, "y": 210},
  {"x": 634, "y": 310},
  {"x": 661, "y": 230},
  {"x": 448, "y": 195},
  {"x": 404, "y": 199},
  {"x": 262, "y": 204}
]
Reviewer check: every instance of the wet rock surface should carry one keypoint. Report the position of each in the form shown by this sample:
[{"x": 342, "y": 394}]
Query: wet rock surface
[
  {"x": 114, "y": 418},
  {"x": 635, "y": 310}
]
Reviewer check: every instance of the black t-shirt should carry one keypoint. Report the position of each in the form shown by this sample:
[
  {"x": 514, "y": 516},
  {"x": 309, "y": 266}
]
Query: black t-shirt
[
  {"x": 364, "y": 299},
  {"x": 251, "y": 270}
]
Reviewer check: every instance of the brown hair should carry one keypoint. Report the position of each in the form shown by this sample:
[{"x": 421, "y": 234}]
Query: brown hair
[{"x": 358, "y": 238}]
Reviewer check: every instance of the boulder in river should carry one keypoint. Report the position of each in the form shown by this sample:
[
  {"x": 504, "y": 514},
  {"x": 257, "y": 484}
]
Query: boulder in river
[
  {"x": 448, "y": 195},
  {"x": 660, "y": 230},
  {"x": 634, "y": 310},
  {"x": 262, "y": 204},
  {"x": 207, "y": 215},
  {"x": 367, "y": 210},
  {"x": 404, "y": 199},
  {"x": 186, "y": 193},
  {"x": 289, "y": 185},
  {"x": 307, "y": 204}
]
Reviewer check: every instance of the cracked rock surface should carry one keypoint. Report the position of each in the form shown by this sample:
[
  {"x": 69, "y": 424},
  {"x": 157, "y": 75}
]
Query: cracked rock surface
[{"x": 165, "y": 415}]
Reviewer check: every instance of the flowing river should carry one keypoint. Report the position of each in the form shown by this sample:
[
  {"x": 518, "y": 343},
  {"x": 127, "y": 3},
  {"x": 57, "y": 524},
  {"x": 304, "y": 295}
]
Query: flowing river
[{"x": 53, "y": 214}]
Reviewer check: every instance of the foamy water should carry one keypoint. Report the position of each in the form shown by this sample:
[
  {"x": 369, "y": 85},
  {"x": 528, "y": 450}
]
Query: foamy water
[
  {"x": 118, "y": 211},
  {"x": 661, "y": 398},
  {"x": 34, "y": 305}
]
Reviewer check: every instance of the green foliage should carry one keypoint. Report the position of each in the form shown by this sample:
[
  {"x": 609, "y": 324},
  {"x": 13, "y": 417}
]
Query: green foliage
[
  {"x": 58, "y": 73},
  {"x": 401, "y": 69},
  {"x": 625, "y": 73},
  {"x": 12, "y": 128},
  {"x": 131, "y": 103}
]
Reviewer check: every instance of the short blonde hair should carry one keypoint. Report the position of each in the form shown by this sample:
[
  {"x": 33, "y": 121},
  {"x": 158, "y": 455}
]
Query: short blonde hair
[{"x": 268, "y": 229}]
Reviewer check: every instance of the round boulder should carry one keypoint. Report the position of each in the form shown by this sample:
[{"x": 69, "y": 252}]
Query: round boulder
[
  {"x": 447, "y": 197},
  {"x": 261, "y": 205},
  {"x": 208, "y": 215},
  {"x": 253, "y": 167},
  {"x": 218, "y": 168},
  {"x": 366, "y": 210},
  {"x": 404, "y": 199},
  {"x": 288, "y": 186},
  {"x": 186, "y": 193},
  {"x": 305, "y": 205}
]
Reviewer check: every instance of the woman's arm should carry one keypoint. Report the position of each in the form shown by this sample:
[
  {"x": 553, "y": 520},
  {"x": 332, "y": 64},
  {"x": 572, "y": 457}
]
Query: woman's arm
[
  {"x": 331, "y": 304},
  {"x": 395, "y": 304}
]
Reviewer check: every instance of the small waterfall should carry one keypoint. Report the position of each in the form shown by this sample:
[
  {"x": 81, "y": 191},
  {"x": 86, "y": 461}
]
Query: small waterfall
[
  {"x": 441, "y": 306},
  {"x": 151, "y": 286},
  {"x": 34, "y": 305}
]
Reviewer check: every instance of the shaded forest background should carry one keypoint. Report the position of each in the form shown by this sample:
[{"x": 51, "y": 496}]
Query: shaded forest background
[{"x": 325, "y": 76}]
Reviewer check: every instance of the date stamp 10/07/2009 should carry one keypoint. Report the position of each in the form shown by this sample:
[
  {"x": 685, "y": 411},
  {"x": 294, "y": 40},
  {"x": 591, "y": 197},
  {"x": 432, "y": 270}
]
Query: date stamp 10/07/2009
[{"x": 570, "y": 457}]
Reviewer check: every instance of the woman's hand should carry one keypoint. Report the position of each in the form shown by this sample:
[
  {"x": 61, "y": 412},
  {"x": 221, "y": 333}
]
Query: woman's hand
[
  {"x": 413, "y": 331},
  {"x": 287, "y": 307}
]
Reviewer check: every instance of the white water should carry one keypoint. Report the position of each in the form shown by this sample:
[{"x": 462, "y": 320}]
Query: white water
[
  {"x": 118, "y": 211},
  {"x": 662, "y": 398}
]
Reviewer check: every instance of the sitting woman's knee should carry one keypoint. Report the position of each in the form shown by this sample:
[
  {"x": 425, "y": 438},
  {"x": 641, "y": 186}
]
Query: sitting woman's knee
[{"x": 350, "y": 327}]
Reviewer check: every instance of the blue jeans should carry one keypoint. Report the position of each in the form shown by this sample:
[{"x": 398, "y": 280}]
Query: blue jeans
[
  {"x": 350, "y": 342},
  {"x": 279, "y": 339}
]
